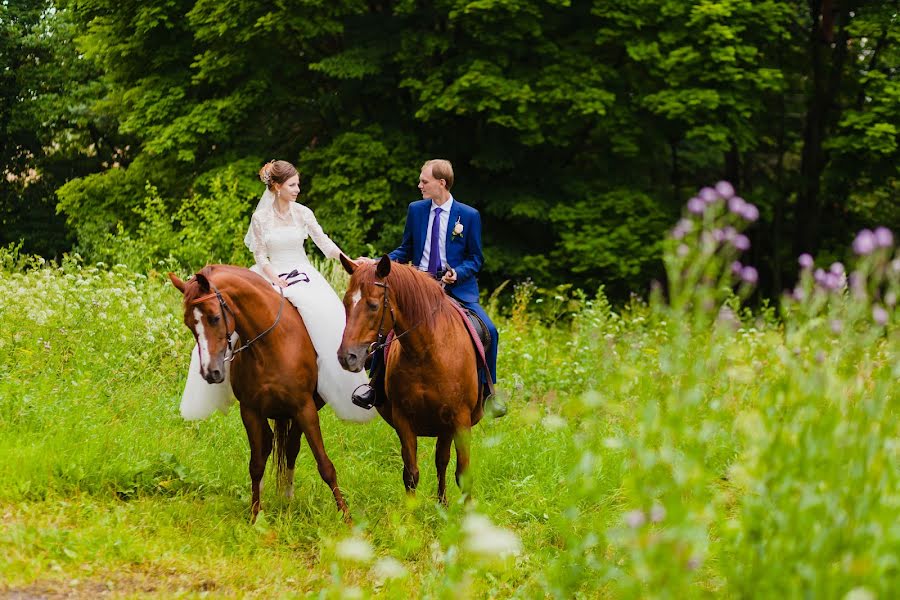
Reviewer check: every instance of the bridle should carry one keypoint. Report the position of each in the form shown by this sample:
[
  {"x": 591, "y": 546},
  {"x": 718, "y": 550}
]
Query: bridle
[
  {"x": 381, "y": 337},
  {"x": 224, "y": 310}
]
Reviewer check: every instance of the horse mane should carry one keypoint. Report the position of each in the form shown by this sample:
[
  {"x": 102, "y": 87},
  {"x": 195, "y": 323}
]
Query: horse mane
[
  {"x": 421, "y": 297},
  {"x": 192, "y": 289}
]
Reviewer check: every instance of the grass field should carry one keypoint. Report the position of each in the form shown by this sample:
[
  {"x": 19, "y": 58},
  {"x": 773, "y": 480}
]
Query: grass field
[{"x": 656, "y": 450}]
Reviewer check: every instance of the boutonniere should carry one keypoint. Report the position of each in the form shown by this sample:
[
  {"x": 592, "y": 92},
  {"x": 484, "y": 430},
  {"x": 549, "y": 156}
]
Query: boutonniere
[{"x": 457, "y": 229}]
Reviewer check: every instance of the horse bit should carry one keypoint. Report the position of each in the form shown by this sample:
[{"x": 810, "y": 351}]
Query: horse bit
[{"x": 223, "y": 308}]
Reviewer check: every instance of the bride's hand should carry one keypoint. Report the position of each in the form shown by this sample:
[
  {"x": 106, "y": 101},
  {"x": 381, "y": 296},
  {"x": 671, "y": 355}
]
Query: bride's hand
[{"x": 279, "y": 282}]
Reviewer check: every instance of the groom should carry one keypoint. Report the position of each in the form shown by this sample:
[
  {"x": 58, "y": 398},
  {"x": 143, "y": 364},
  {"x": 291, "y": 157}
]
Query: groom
[{"x": 443, "y": 236}]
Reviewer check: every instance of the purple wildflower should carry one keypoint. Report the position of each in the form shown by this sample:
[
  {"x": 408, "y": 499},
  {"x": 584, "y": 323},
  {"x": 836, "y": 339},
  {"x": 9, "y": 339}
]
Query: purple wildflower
[
  {"x": 879, "y": 314},
  {"x": 741, "y": 242},
  {"x": 836, "y": 268},
  {"x": 806, "y": 261},
  {"x": 708, "y": 195},
  {"x": 682, "y": 250},
  {"x": 696, "y": 206},
  {"x": 657, "y": 513},
  {"x": 799, "y": 294},
  {"x": 736, "y": 268},
  {"x": 749, "y": 275},
  {"x": 837, "y": 326},
  {"x": 750, "y": 212},
  {"x": 736, "y": 205},
  {"x": 635, "y": 518},
  {"x": 730, "y": 233},
  {"x": 725, "y": 189},
  {"x": 890, "y": 299},
  {"x": 883, "y": 237},
  {"x": 819, "y": 276},
  {"x": 895, "y": 265},
  {"x": 718, "y": 235},
  {"x": 864, "y": 243},
  {"x": 682, "y": 228}
]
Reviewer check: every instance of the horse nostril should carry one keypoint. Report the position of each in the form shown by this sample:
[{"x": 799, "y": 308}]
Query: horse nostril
[{"x": 216, "y": 374}]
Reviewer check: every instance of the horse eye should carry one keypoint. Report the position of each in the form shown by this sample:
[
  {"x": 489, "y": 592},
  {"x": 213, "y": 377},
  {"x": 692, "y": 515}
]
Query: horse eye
[
  {"x": 214, "y": 319},
  {"x": 372, "y": 305}
]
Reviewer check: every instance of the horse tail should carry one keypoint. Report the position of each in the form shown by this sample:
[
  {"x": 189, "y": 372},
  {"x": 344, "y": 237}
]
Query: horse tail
[{"x": 282, "y": 429}]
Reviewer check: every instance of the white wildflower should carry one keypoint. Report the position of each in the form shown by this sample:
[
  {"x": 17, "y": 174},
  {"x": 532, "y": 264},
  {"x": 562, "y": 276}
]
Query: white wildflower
[
  {"x": 487, "y": 540},
  {"x": 355, "y": 549},
  {"x": 388, "y": 568}
]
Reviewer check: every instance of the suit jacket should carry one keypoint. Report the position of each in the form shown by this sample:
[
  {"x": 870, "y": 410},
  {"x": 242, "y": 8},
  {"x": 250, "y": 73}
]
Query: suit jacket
[{"x": 463, "y": 251}]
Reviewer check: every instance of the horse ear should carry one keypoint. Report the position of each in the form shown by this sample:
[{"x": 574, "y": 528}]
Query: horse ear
[
  {"x": 178, "y": 283},
  {"x": 349, "y": 265},
  {"x": 202, "y": 281},
  {"x": 384, "y": 267}
]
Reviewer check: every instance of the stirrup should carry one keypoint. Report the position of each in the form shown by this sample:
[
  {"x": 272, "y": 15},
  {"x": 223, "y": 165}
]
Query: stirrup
[{"x": 364, "y": 396}]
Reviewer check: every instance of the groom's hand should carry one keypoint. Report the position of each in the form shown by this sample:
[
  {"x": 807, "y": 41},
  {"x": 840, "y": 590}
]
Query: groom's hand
[{"x": 449, "y": 277}]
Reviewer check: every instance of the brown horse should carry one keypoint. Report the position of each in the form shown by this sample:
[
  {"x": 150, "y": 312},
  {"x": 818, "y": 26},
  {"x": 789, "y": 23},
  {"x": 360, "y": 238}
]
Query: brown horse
[
  {"x": 431, "y": 378},
  {"x": 273, "y": 375}
]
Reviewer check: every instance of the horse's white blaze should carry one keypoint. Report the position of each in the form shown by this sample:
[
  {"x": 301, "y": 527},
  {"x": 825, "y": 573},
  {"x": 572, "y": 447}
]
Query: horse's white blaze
[
  {"x": 201, "y": 340},
  {"x": 357, "y": 296}
]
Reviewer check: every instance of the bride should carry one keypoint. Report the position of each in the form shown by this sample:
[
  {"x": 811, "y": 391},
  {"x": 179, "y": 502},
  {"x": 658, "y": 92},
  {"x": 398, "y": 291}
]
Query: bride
[{"x": 278, "y": 228}]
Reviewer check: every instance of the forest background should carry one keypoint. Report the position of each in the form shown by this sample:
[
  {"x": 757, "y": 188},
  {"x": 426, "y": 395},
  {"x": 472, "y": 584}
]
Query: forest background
[{"x": 131, "y": 131}]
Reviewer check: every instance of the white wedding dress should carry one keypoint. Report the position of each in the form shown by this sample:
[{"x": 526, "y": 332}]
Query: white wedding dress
[{"x": 279, "y": 242}]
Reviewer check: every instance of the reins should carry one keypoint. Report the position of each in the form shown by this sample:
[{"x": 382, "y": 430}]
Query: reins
[
  {"x": 223, "y": 308},
  {"x": 381, "y": 337}
]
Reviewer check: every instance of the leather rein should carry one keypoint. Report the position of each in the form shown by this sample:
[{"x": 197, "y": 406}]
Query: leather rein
[
  {"x": 381, "y": 337},
  {"x": 224, "y": 310}
]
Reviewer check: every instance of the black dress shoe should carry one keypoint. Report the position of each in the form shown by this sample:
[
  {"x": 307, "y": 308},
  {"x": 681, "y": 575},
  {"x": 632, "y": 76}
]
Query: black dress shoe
[{"x": 364, "y": 396}]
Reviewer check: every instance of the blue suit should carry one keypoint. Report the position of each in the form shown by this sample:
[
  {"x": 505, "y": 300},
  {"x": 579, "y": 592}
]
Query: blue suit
[{"x": 463, "y": 254}]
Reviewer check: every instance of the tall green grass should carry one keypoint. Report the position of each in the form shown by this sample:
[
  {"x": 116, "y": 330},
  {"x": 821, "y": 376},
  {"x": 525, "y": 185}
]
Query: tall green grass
[{"x": 663, "y": 449}]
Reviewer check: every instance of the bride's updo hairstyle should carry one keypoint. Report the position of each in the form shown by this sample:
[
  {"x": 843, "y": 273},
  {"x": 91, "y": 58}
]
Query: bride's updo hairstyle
[{"x": 276, "y": 171}]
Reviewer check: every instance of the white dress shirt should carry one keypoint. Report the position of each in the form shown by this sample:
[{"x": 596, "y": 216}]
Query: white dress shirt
[{"x": 445, "y": 221}]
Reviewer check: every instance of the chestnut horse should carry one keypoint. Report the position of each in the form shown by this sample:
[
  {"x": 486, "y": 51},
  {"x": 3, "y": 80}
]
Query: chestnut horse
[
  {"x": 273, "y": 375},
  {"x": 431, "y": 379}
]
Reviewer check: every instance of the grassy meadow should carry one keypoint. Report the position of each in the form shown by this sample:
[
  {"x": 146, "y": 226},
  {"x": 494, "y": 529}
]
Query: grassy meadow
[{"x": 670, "y": 449}]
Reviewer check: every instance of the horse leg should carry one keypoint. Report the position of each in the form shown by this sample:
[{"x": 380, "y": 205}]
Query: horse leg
[
  {"x": 260, "y": 437},
  {"x": 308, "y": 419},
  {"x": 292, "y": 449},
  {"x": 441, "y": 460},
  {"x": 408, "y": 450},
  {"x": 461, "y": 440}
]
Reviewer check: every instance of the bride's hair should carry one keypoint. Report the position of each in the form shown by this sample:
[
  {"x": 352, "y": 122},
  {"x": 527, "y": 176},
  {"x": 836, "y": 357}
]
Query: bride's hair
[{"x": 276, "y": 171}]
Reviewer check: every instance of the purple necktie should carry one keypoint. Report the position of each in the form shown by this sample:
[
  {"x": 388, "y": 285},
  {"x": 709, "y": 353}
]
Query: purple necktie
[{"x": 434, "y": 256}]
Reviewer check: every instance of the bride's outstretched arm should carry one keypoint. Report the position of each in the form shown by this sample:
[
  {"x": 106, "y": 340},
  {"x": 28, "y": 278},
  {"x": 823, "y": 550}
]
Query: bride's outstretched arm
[{"x": 328, "y": 247}]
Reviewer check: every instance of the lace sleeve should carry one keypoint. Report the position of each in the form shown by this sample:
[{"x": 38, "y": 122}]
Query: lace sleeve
[
  {"x": 328, "y": 248},
  {"x": 258, "y": 240}
]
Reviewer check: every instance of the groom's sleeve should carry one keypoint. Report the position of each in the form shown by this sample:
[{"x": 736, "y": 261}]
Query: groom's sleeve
[
  {"x": 472, "y": 257},
  {"x": 403, "y": 253}
]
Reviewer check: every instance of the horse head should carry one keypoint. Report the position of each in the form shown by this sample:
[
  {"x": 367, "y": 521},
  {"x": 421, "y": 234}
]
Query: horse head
[
  {"x": 205, "y": 315},
  {"x": 367, "y": 307}
]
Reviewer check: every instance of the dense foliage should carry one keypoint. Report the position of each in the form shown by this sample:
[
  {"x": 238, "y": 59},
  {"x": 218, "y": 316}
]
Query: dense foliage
[
  {"x": 576, "y": 127},
  {"x": 682, "y": 448}
]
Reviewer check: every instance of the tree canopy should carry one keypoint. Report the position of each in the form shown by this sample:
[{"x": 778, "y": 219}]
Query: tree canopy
[{"x": 577, "y": 128}]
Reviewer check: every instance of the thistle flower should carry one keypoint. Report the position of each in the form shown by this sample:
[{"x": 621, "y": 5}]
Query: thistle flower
[
  {"x": 806, "y": 261},
  {"x": 749, "y": 275},
  {"x": 657, "y": 513},
  {"x": 741, "y": 242},
  {"x": 736, "y": 268},
  {"x": 837, "y": 326},
  {"x": 836, "y": 268},
  {"x": 725, "y": 189},
  {"x": 708, "y": 195},
  {"x": 736, "y": 205},
  {"x": 864, "y": 243},
  {"x": 879, "y": 314},
  {"x": 696, "y": 206},
  {"x": 883, "y": 237},
  {"x": 750, "y": 213}
]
